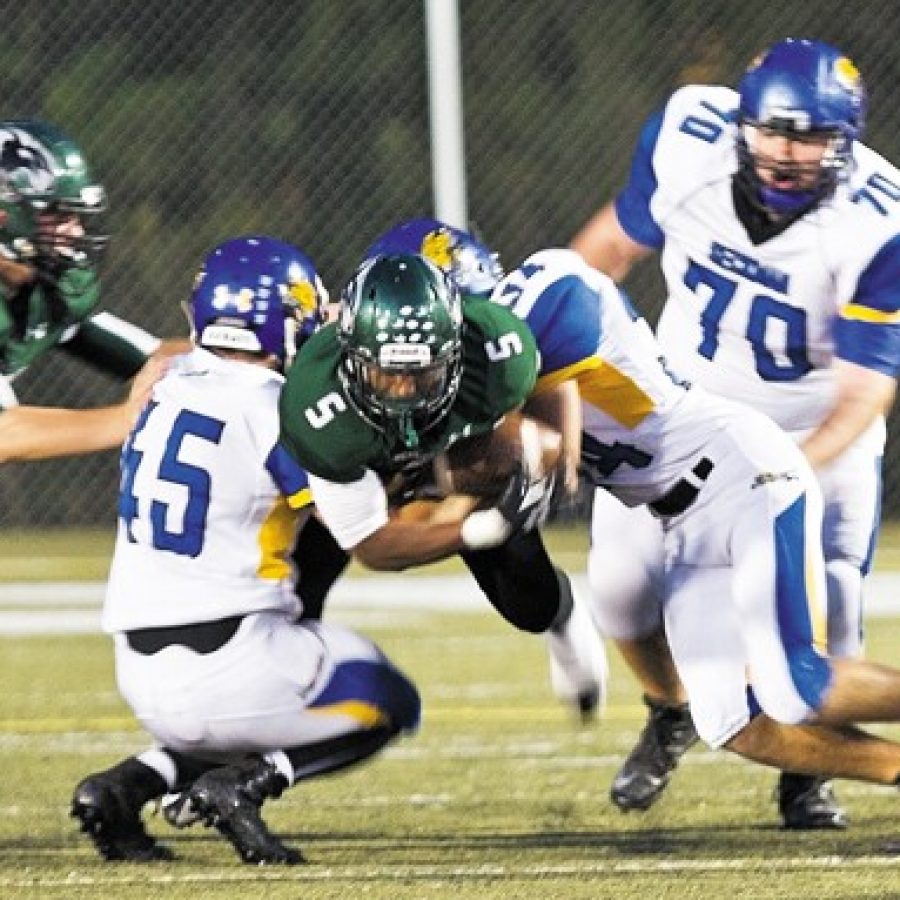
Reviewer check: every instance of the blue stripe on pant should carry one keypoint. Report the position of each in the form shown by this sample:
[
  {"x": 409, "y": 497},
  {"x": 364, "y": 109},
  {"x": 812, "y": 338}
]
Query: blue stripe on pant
[
  {"x": 810, "y": 671},
  {"x": 866, "y": 567}
]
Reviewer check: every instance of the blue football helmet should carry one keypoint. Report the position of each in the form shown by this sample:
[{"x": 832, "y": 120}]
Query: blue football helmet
[
  {"x": 474, "y": 267},
  {"x": 800, "y": 88},
  {"x": 256, "y": 294}
]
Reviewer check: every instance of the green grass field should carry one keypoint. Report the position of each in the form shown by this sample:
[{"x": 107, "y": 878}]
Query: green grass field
[
  {"x": 49, "y": 555},
  {"x": 502, "y": 793}
]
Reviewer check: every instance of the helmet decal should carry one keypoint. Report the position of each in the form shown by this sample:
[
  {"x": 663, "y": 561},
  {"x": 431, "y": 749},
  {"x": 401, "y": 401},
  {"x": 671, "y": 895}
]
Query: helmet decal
[
  {"x": 438, "y": 247},
  {"x": 25, "y": 162},
  {"x": 473, "y": 266},
  {"x": 304, "y": 293},
  {"x": 846, "y": 73},
  {"x": 223, "y": 298}
]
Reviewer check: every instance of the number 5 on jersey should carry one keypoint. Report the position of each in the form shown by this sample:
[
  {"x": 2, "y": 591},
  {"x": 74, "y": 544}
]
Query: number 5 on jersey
[
  {"x": 506, "y": 346},
  {"x": 325, "y": 410}
]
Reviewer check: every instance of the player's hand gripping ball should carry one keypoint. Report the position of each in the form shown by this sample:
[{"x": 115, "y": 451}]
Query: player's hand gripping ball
[{"x": 481, "y": 466}]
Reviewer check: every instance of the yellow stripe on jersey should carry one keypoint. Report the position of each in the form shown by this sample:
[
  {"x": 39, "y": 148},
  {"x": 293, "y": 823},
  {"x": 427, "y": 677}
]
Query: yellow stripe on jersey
[
  {"x": 857, "y": 313},
  {"x": 603, "y": 385},
  {"x": 302, "y": 498},
  {"x": 364, "y": 713},
  {"x": 276, "y": 537}
]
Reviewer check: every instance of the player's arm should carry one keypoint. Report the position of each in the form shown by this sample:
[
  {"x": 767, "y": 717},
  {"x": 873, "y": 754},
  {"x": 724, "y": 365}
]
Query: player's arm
[
  {"x": 400, "y": 545},
  {"x": 117, "y": 347},
  {"x": 15, "y": 275},
  {"x": 560, "y": 408},
  {"x": 867, "y": 358},
  {"x": 605, "y": 245},
  {"x": 863, "y": 394},
  {"x": 357, "y": 515},
  {"x": 35, "y": 432},
  {"x": 624, "y": 231}
]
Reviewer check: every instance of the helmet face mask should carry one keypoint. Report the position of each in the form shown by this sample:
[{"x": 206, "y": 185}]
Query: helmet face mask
[
  {"x": 401, "y": 345},
  {"x": 472, "y": 265},
  {"x": 811, "y": 95},
  {"x": 258, "y": 295},
  {"x": 787, "y": 181},
  {"x": 50, "y": 206}
]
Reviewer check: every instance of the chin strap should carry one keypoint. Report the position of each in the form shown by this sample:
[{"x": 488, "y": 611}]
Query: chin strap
[
  {"x": 408, "y": 433},
  {"x": 787, "y": 202}
]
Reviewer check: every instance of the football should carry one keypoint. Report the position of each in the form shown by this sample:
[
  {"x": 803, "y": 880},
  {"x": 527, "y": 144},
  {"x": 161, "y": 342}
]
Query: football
[{"x": 480, "y": 466}]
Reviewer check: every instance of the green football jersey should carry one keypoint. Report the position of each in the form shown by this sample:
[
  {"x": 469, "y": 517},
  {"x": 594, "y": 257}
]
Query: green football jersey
[
  {"x": 36, "y": 320},
  {"x": 323, "y": 430}
]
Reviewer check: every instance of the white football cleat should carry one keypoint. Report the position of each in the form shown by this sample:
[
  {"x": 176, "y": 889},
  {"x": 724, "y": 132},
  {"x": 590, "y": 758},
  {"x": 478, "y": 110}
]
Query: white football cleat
[{"x": 578, "y": 667}]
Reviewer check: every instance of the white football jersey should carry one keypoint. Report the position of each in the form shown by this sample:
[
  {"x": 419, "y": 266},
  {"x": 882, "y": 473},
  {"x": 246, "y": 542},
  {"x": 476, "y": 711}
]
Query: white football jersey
[
  {"x": 208, "y": 503},
  {"x": 643, "y": 428},
  {"x": 761, "y": 323}
]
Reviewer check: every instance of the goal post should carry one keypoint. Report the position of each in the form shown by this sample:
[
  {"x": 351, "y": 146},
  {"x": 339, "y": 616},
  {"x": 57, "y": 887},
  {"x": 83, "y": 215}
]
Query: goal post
[{"x": 448, "y": 157}]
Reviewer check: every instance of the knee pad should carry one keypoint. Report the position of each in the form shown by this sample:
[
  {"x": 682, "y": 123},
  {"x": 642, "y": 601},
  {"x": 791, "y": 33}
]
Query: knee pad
[{"x": 404, "y": 705}]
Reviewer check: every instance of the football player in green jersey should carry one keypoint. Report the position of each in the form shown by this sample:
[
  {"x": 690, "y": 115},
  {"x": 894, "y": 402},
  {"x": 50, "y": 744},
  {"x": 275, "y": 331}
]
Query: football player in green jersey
[
  {"x": 51, "y": 237},
  {"x": 406, "y": 372},
  {"x": 375, "y": 397}
]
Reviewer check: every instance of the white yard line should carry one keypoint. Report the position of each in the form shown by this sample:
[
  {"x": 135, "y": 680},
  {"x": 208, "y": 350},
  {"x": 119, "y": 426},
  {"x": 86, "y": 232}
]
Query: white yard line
[
  {"x": 74, "y": 607},
  {"x": 370, "y": 873}
]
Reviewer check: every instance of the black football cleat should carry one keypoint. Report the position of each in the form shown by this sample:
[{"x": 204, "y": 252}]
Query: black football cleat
[
  {"x": 230, "y": 798},
  {"x": 108, "y": 805},
  {"x": 807, "y": 803},
  {"x": 667, "y": 736}
]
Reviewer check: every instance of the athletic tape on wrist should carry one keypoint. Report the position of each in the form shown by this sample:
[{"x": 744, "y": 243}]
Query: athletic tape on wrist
[{"x": 486, "y": 528}]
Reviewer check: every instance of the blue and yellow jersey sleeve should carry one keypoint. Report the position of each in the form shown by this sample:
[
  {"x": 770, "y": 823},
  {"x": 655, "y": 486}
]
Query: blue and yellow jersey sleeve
[
  {"x": 867, "y": 330},
  {"x": 565, "y": 321},
  {"x": 633, "y": 202},
  {"x": 290, "y": 477}
]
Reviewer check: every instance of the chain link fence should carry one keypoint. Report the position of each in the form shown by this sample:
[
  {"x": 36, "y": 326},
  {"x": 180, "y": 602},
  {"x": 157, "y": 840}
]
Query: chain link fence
[{"x": 308, "y": 120}]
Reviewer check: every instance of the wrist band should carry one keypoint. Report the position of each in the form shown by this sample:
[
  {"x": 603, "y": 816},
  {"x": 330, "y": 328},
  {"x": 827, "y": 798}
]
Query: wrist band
[{"x": 486, "y": 528}]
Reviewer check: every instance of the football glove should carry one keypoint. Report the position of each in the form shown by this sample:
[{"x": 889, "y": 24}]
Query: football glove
[{"x": 523, "y": 506}]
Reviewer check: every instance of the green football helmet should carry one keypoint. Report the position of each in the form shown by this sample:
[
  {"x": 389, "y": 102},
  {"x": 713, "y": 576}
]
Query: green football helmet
[
  {"x": 50, "y": 204},
  {"x": 400, "y": 332}
]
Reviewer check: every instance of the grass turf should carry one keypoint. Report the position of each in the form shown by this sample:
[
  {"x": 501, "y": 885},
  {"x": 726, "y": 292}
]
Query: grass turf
[
  {"x": 502, "y": 793},
  {"x": 84, "y": 554}
]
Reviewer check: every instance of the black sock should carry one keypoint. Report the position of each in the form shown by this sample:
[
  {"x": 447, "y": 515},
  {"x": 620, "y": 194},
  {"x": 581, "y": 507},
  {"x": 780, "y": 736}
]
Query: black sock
[
  {"x": 566, "y": 601},
  {"x": 337, "y": 753}
]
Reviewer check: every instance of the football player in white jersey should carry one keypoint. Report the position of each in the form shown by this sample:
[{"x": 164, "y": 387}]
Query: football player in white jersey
[
  {"x": 779, "y": 235},
  {"x": 243, "y": 699},
  {"x": 740, "y": 510}
]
